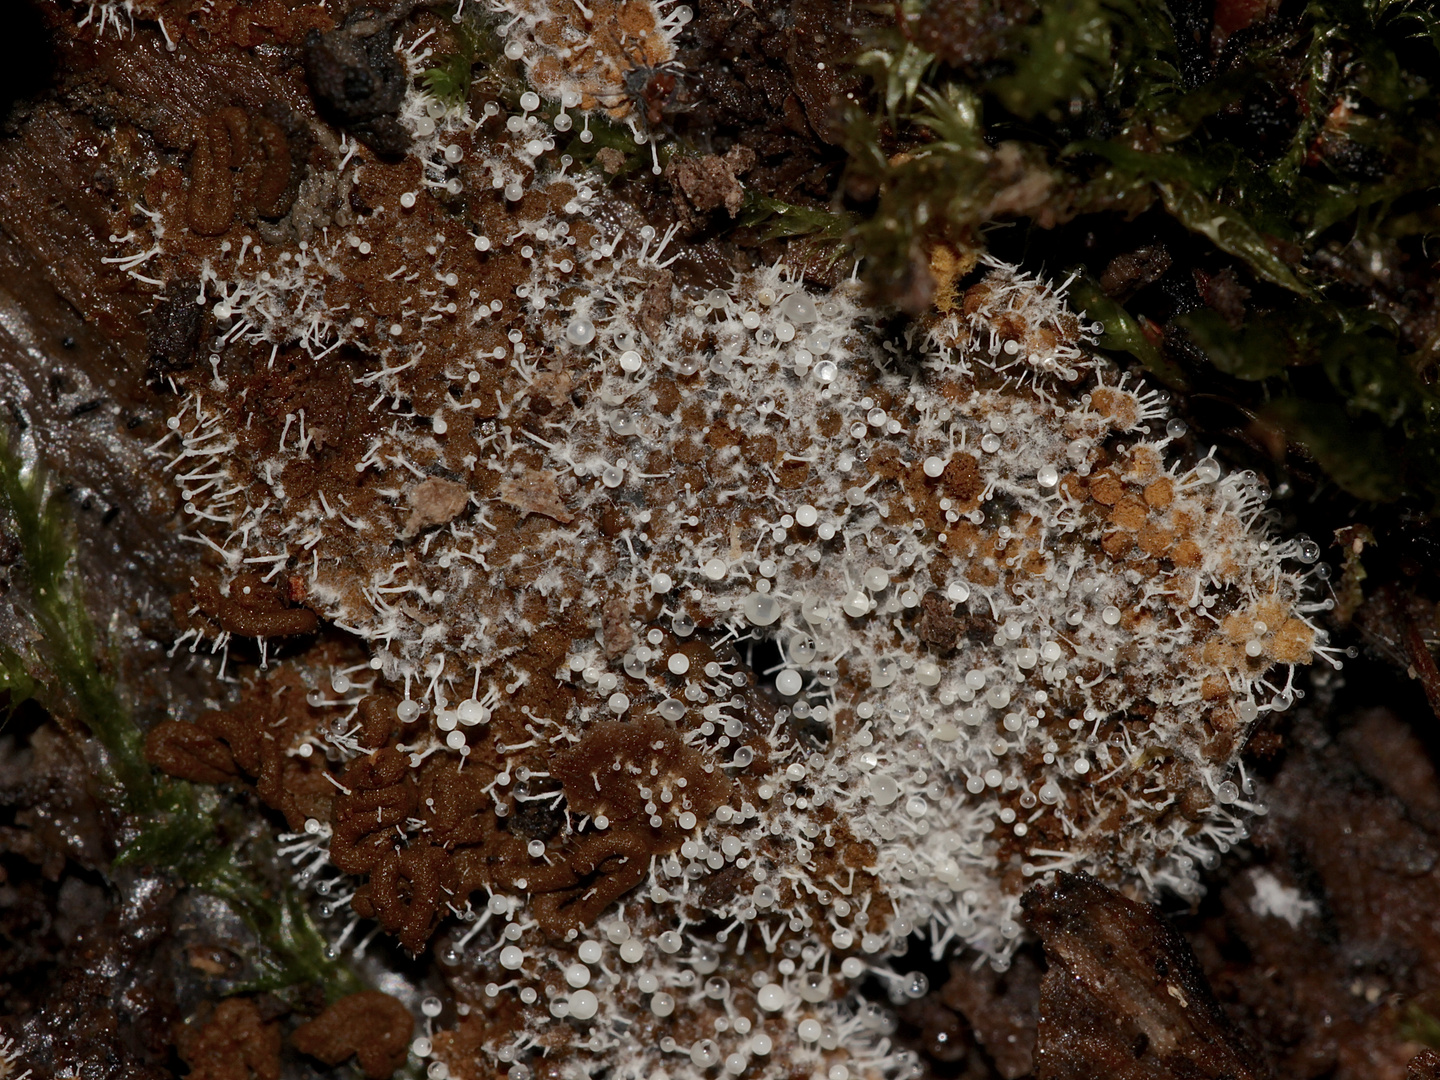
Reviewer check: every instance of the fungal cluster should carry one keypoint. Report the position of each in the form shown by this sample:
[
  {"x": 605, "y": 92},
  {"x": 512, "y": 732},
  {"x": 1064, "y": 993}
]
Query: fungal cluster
[
  {"x": 711, "y": 640},
  {"x": 595, "y": 58},
  {"x": 10, "y": 1061}
]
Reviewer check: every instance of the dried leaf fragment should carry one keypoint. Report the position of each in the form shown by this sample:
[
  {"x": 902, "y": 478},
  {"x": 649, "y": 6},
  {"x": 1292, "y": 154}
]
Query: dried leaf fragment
[
  {"x": 433, "y": 502},
  {"x": 536, "y": 491}
]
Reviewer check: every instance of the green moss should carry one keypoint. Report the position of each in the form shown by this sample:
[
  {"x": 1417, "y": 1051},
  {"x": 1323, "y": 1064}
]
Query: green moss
[
  {"x": 1085, "y": 50},
  {"x": 474, "y": 45},
  {"x": 1123, "y": 333},
  {"x": 1417, "y": 1025},
  {"x": 16, "y": 684},
  {"x": 164, "y": 823},
  {"x": 449, "y": 78},
  {"x": 772, "y": 218},
  {"x": 1114, "y": 106},
  {"x": 64, "y": 670}
]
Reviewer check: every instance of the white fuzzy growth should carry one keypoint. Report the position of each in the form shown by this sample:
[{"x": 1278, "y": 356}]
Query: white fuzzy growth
[
  {"x": 1088, "y": 717},
  {"x": 117, "y": 15},
  {"x": 10, "y": 1061},
  {"x": 1280, "y": 901},
  {"x": 925, "y": 733}
]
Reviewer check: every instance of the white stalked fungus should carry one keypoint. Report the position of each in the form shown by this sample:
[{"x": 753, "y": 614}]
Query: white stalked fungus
[
  {"x": 789, "y": 682},
  {"x": 771, "y": 997},
  {"x": 579, "y": 331},
  {"x": 989, "y": 590},
  {"x": 760, "y": 609},
  {"x": 883, "y": 789}
]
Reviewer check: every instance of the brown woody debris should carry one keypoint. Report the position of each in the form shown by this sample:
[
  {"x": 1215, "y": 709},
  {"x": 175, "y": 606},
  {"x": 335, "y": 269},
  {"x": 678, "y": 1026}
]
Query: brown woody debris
[
  {"x": 1129, "y": 273},
  {"x": 1001, "y": 1010},
  {"x": 615, "y": 633},
  {"x": 357, "y": 79},
  {"x": 1023, "y": 184},
  {"x": 938, "y": 626},
  {"x": 1223, "y": 293},
  {"x": 970, "y": 32},
  {"x": 253, "y": 609},
  {"x": 710, "y": 182},
  {"x": 1424, "y": 1066},
  {"x": 610, "y": 159},
  {"x": 1335, "y": 919},
  {"x": 656, "y": 304},
  {"x": 372, "y": 1026},
  {"x": 234, "y": 1044},
  {"x": 1124, "y": 997},
  {"x": 943, "y": 1033}
]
